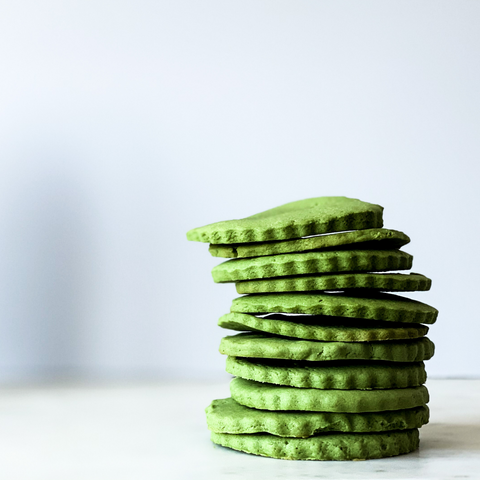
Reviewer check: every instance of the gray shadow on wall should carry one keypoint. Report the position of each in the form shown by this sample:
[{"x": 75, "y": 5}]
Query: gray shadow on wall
[{"x": 43, "y": 267}]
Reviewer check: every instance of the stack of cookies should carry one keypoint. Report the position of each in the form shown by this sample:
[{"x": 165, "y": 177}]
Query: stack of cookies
[{"x": 328, "y": 366}]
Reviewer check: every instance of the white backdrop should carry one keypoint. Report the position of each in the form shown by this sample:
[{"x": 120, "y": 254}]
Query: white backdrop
[{"x": 124, "y": 124}]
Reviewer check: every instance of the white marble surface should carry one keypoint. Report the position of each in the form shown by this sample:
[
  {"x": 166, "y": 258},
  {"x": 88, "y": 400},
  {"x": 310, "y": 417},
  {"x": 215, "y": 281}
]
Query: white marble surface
[{"x": 157, "y": 431}]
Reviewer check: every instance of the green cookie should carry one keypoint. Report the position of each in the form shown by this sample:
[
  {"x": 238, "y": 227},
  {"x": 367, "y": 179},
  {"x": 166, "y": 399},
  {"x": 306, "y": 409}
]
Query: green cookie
[
  {"x": 376, "y": 238},
  {"x": 266, "y": 396},
  {"x": 343, "y": 375},
  {"x": 328, "y": 446},
  {"x": 255, "y": 345},
  {"x": 311, "y": 262},
  {"x": 380, "y": 306},
  {"x": 228, "y": 416},
  {"x": 294, "y": 220},
  {"x": 323, "y": 328},
  {"x": 389, "y": 282}
]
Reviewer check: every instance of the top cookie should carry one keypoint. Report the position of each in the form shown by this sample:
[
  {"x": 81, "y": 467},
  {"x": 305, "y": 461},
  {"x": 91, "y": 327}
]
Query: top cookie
[{"x": 294, "y": 220}]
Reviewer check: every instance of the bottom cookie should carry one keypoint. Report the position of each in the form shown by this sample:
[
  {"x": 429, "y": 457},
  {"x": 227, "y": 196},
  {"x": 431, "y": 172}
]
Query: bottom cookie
[{"x": 328, "y": 446}]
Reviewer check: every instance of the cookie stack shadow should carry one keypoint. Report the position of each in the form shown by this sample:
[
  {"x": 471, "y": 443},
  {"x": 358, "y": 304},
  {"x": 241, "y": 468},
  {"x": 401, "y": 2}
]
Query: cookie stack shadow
[{"x": 328, "y": 366}]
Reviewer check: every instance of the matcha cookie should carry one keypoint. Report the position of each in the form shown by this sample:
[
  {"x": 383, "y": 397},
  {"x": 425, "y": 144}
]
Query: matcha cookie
[
  {"x": 228, "y": 416},
  {"x": 255, "y": 345},
  {"x": 294, "y": 220},
  {"x": 376, "y": 238},
  {"x": 266, "y": 396},
  {"x": 339, "y": 375},
  {"x": 323, "y": 328},
  {"x": 381, "y": 306},
  {"x": 311, "y": 262},
  {"x": 328, "y": 446},
  {"x": 387, "y": 282}
]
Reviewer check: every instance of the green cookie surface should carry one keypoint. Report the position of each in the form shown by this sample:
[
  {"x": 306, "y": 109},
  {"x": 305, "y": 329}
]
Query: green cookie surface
[
  {"x": 389, "y": 282},
  {"x": 266, "y": 396},
  {"x": 381, "y": 306},
  {"x": 328, "y": 446},
  {"x": 343, "y": 375},
  {"x": 294, "y": 220},
  {"x": 377, "y": 238},
  {"x": 311, "y": 262},
  {"x": 228, "y": 416},
  {"x": 255, "y": 345},
  {"x": 323, "y": 328}
]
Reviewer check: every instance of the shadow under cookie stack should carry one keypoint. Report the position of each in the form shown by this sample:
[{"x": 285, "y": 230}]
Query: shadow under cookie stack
[{"x": 329, "y": 366}]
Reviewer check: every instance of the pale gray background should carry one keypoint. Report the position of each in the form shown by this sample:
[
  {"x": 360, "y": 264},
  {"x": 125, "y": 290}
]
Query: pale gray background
[{"x": 124, "y": 124}]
